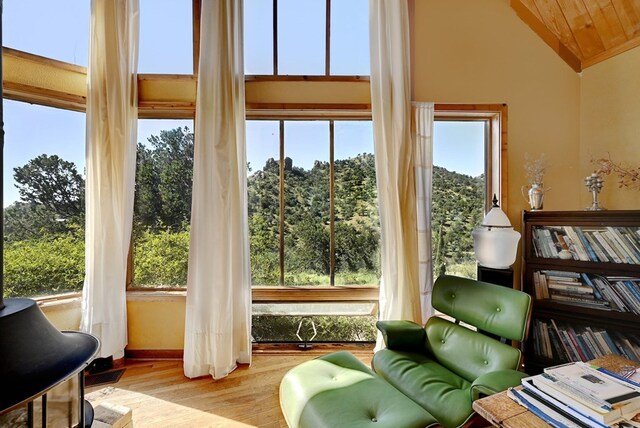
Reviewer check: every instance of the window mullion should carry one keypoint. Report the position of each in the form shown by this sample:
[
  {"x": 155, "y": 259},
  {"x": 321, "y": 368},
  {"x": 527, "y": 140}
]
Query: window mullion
[
  {"x": 332, "y": 196},
  {"x": 275, "y": 37},
  {"x": 281, "y": 245},
  {"x": 327, "y": 39}
]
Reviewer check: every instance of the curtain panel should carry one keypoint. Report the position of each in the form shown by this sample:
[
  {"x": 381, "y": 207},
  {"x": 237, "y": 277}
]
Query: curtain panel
[
  {"x": 423, "y": 142},
  {"x": 112, "y": 124},
  {"x": 395, "y": 159},
  {"x": 218, "y": 313}
]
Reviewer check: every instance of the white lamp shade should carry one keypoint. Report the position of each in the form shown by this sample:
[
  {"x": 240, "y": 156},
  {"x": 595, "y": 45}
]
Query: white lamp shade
[
  {"x": 495, "y": 242},
  {"x": 495, "y": 247}
]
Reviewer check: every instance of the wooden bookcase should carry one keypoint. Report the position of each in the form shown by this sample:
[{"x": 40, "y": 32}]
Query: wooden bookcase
[{"x": 584, "y": 325}]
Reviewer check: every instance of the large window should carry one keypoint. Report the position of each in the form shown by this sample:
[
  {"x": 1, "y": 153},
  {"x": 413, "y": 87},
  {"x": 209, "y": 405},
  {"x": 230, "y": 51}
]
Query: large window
[
  {"x": 312, "y": 38},
  {"x": 467, "y": 171},
  {"x": 43, "y": 200},
  {"x": 162, "y": 207},
  {"x": 313, "y": 215}
]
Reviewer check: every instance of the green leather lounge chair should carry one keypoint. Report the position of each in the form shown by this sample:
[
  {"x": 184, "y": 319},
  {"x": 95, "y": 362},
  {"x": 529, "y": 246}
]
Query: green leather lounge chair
[
  {"x": 445, "y": 366},
  {"x": 426, "y": 376}
]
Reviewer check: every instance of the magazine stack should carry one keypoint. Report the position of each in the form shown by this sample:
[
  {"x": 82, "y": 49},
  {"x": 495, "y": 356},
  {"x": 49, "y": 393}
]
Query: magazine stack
[{"x": 578, "y": 395}]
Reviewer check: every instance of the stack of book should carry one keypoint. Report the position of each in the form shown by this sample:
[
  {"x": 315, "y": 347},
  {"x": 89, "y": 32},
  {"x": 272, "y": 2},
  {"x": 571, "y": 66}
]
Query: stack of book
[
  {"x": 560, "y": 341},
  {"x": 581, "y": 395},
  {"x": 591, "y": 244},
  {"x": 619, "y": 293}
]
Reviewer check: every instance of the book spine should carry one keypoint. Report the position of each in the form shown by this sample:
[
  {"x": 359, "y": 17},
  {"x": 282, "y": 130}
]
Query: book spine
[
  {"x": 587, "y": 245},
  {"x": 576, "y": 244},
  {"x": 612, "y": 255},
  {"x": 616, "y": 236},
  {"x": 596, "y": 292},
  {"x": 600, "y": 253}
]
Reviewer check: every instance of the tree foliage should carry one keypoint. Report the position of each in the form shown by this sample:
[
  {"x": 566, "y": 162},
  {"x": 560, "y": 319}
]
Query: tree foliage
[
  {"x": 53, "y": 183},
  {"x": 43, "y": 231}
]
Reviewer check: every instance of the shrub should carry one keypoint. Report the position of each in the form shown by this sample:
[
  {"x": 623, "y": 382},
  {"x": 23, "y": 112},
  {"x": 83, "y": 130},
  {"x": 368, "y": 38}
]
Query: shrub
[
  {"x": 160, "y": 258},
  {"x": 51, "y": 264}
]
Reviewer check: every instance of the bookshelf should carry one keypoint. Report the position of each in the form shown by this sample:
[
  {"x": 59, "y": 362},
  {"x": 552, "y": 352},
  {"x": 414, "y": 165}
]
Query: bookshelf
[{"x": 582, "y": 269}]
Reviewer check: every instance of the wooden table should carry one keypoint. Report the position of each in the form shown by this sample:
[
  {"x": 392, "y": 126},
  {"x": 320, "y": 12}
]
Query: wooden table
[{"x": 502, "y": 411}]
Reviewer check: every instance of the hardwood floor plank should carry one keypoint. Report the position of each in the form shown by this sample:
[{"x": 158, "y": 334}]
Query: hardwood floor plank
[{"x": 159, "y": 394}]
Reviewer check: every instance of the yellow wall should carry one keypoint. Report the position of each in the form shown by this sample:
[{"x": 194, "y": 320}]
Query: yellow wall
[
  {"x": 610, "y": 123},
  {"x": 155, "y": 320},
  {"x": 63, "y": 314},
  {"x": 466, "y": 51}
]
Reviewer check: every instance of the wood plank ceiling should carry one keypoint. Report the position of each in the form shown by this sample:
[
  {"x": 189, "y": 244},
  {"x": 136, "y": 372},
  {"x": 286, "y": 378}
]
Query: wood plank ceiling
[{"x": 583, "y": 32}]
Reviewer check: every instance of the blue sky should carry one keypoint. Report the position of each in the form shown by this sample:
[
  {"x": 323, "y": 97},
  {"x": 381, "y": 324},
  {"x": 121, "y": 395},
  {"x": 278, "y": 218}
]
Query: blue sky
[{"x": 59, "y": 29}]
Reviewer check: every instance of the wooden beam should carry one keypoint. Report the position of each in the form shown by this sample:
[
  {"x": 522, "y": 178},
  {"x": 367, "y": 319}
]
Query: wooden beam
[
  {"x": 609, "y": 53},
  {"x": 547, "y": 35},
  {"x": 196, "y": 12}
]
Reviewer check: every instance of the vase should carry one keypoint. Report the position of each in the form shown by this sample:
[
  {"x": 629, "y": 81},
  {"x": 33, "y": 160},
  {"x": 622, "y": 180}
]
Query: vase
[{"x": 534, "y": 196}]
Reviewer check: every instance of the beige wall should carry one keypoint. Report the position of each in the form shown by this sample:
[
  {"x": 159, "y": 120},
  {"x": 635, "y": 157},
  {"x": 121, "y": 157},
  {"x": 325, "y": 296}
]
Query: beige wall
[
  {"x": 610, "y": 123},
  {"x": 466, "y": 51}
]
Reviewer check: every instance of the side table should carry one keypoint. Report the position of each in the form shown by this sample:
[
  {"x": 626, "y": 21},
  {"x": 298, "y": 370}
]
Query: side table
[{"x": 502, "y": 411}]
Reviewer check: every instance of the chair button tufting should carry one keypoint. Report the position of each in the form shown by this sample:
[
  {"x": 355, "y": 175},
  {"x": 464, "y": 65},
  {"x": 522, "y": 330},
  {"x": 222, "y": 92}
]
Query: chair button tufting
[
  {"x": 442, "y": 341},
  {"x": 374, "y": 420},
  {"x": 453, "y": 296},
  {"x": 486, "y": 362},
  {"x": 498, "y": 309}
]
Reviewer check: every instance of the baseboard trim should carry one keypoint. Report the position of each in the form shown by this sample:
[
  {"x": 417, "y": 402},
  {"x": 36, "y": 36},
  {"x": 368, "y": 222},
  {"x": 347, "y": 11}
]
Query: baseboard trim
[{"x": 154, "y": 354}]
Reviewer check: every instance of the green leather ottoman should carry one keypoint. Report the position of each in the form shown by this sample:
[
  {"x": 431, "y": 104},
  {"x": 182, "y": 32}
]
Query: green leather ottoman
[{"x": 337, "y": 390}]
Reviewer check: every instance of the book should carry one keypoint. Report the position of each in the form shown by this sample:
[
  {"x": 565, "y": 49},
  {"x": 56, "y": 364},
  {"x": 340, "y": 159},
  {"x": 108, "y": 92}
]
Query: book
[
  {"x": 612, "y": 254},
  {"x": 576, "y": 244},
  {"x": 587, "y": 245},
  {"x": 540, "y": 383},
  {"x": 594, "y": 388},
  {"x": 547, "y": 414}
]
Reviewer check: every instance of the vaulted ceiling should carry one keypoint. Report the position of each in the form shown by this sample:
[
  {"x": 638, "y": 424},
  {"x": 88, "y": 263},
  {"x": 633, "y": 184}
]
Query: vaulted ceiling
[{"x": 583, "y": 32}]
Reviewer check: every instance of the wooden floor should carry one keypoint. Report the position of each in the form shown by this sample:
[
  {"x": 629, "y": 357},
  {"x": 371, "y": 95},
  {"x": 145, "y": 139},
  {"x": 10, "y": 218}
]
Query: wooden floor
[{"x": 161, "y": 396}]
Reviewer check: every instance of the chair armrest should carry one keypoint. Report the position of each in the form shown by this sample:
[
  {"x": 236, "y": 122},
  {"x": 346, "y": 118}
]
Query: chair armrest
[
  {"x": 402, "y": 335},
  {"x": 494, "y": 382}
]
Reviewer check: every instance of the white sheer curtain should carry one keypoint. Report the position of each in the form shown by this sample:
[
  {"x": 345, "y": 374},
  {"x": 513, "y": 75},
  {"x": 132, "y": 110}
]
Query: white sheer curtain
[
  {"x": 395, "y": 158},
  {"x": 112, "y": 124},
  {"x": 218, "y": 318},
  {"x": 423, "y": 141}
]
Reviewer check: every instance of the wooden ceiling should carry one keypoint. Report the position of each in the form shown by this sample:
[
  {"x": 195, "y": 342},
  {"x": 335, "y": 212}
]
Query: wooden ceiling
[{"x": 583, "y": 32}]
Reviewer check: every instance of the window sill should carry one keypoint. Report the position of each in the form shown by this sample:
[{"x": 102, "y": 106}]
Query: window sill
[{"x": 259, "y": 295}]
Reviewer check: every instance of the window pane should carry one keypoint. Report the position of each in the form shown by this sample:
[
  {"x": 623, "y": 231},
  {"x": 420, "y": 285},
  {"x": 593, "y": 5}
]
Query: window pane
[
  {"x": 301, "y": 37},
  {"x": 166, "y": 37},
  {"x": 357, "y": 226},
  {"x": 53, "y": 29},
  {"x": 350, "y": 37},
  {"x": 43, "y": 200},
  {"x": 258, "y": 37},
  {"x": 458, "y": 194},
  {"x": 306, "y": 196},
  {"x": 314, "y": 322},
  {"x": 162, "y": 207},
  {"x": 263, "y": 188}
]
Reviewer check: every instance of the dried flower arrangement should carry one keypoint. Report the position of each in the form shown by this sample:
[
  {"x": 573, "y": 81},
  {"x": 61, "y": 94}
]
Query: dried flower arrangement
[
  {"x": 628, "y": 176},
  {"x": 534, "y": 168}
]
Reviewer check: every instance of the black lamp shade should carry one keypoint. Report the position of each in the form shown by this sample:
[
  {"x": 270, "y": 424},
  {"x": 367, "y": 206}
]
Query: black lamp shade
[{"x": 34, "y": 355}]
